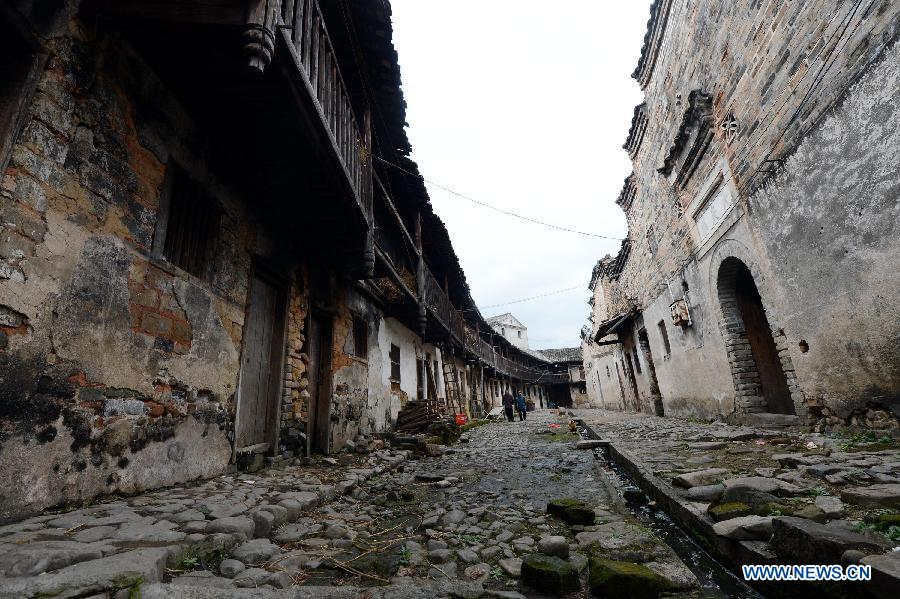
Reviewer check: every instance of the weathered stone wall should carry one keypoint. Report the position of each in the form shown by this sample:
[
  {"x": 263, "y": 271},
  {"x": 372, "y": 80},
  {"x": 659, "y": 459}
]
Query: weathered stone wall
[
  {"x": 757, "y": 62},
  {"x": 817, "y": 227},
  {"x": 835, "y": 260},
  {"x": 118, "y": 370}
]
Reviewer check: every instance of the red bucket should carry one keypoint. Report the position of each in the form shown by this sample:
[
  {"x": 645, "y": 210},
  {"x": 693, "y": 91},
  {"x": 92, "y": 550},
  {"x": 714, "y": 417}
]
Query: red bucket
[{"x": 461, "y": 419}]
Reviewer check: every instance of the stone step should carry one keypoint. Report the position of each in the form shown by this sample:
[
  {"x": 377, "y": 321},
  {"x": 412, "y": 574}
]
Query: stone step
[{"x": 768, "y": 420}]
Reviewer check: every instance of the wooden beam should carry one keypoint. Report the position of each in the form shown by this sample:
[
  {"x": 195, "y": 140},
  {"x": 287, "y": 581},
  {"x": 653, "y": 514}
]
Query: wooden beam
[{"x": 392, "y": 208}]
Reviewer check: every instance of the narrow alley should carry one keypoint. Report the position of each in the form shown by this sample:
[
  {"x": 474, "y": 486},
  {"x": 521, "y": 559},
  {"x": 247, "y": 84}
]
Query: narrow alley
[{"x": 393, "y": 299}]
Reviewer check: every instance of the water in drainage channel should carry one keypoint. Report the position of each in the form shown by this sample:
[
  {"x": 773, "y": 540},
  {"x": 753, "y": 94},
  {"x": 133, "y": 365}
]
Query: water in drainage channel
[{"x": 714, "y": 578}]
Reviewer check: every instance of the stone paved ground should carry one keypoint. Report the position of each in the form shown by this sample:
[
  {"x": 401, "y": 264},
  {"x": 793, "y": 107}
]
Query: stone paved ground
[
  {"x": 459, "y": 524},
  {"x": 792, "y": 496}
]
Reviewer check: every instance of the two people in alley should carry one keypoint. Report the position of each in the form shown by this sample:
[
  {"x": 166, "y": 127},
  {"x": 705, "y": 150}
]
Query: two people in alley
[{"x": 517, "y": 402}]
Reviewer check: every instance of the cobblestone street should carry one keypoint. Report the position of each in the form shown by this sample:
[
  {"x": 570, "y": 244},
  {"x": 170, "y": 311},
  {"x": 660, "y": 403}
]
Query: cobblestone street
[
  {"x": 471, "y": 520},
  {"x": 456, "y": 524}
]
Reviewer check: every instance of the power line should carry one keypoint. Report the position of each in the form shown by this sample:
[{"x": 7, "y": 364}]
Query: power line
[
  {"x": 534, "y": 297},
  {"x": 494, "y": 208}
]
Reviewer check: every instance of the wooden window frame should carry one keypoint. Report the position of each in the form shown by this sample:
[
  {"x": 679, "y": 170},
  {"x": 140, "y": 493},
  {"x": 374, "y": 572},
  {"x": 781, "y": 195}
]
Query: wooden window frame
[
  {"x": 395, "y": 376},
  {"x": 664, "y": 333},
  {"x": 360, "y": 332},
  {"x": 179, "y": 182}
]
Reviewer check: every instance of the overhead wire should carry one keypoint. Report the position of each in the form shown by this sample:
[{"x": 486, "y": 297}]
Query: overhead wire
[
  {"x": 534, "y": 297},
  {"x": 492, "y": 207}
]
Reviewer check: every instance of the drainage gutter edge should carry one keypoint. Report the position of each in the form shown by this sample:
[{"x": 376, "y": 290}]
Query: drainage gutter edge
[{"x": 696, "y": 523}]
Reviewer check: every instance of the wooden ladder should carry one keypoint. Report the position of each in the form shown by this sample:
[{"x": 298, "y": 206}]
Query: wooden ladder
[{"x": 452, "y": 389}]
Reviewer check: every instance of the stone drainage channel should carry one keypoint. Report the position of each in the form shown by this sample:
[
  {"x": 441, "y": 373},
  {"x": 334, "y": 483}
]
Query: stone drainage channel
[{"x": 715, "y": 579}]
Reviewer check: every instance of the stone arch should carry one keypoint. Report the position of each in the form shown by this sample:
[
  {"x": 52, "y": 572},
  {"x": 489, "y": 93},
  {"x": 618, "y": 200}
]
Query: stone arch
[{"x": 732, "y": 266}]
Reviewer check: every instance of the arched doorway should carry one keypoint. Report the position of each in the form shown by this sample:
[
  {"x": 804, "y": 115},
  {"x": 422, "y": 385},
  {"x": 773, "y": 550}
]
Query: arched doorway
[{"x": 759, "y": 379}]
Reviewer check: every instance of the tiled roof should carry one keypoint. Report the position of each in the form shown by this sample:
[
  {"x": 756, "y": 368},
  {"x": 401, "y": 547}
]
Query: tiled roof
[{"x": 564, "y": 354}]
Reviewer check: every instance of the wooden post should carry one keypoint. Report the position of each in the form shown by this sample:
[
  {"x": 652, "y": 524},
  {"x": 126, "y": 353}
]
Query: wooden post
[
  {"x": 366, "y": 195},
  {"x": 483, "y": 399},
  {"x": 420, "y": 277}
]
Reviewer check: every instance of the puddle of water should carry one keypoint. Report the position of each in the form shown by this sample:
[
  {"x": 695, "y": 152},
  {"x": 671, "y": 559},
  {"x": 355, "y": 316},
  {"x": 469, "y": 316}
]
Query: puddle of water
[{"x": 714, "y": 578}]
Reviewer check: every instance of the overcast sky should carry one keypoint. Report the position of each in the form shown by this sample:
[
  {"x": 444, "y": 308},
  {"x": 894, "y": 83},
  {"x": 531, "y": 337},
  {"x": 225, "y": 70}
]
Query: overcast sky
[{"x": 524, "y": 105}]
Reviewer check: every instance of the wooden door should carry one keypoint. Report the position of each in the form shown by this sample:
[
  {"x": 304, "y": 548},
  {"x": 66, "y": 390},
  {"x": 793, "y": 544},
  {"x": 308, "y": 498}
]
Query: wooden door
[
  {"x": 629, "y": 374},
  {"x": 771, "y": 376},
  {"x": 319, "y": 431},
  {"x": 261, "y": 364}
]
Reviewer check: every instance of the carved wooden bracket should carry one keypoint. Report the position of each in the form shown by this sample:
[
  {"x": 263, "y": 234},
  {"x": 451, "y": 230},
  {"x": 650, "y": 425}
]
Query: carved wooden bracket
[{"x": 259, "y": 33}]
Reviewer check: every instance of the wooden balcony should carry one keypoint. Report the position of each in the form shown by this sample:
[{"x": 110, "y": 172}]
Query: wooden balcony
[
  {"x": 441, "y": 308},
  {"x": 300, "y": 25},
  {"x": 264, "y": 79}
]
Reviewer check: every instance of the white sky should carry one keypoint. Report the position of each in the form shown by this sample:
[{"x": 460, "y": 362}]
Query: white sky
[{"x": 524, "y": 105}]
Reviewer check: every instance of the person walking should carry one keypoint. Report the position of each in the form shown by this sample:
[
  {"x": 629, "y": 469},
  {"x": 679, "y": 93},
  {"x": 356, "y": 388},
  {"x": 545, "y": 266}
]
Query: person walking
[
  {"x": 522, "y": 406},
  {"x": 508, "y": 403}
]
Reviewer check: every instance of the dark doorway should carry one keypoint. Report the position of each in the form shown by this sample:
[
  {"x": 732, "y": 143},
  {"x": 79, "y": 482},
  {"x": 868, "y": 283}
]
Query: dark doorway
[
  {"x": 320, "y": 341},
  {"x": 644, "y": 344},
  {"x": 629, "y": 374},
  {"x": 621, "y": 388},
  {"x": 262, "y": 363},
  {"x": 773, "y": 384},
  {"x": 561, "y": 396}
]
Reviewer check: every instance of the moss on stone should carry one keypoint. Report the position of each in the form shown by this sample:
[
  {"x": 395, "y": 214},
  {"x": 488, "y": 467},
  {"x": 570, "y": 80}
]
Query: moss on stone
[
  {"x": 885, "y": 521},
  {"x": 774, "y": 509},
  {"x": 549, "y": 574},
  {"x": 727, "y": 511},
  {"x": 612, "y": 579},
  {"x": 572, "y": 511}
]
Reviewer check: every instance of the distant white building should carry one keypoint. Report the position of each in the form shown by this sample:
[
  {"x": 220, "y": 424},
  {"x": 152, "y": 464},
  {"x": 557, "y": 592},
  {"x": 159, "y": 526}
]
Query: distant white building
[{"x": 511, "y": 329}]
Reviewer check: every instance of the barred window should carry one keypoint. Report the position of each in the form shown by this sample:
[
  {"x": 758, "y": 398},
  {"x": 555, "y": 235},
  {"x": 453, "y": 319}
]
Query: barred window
[
  {"x": 665, "y": 336},
  {"x": 360, "y": 337},
  {"x": 189, "y": 218},
  {"x": 395, "y": 363}
]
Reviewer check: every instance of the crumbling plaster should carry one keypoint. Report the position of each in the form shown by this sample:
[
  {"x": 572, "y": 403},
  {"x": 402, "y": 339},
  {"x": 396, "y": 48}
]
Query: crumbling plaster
[{"x": 121, "y": 370}]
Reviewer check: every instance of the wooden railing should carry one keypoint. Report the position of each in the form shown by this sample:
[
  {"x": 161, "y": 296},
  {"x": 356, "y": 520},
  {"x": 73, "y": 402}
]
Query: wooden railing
[
  {"x": 438, "y": 303},
  {"x": 302, "y": 22}
]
